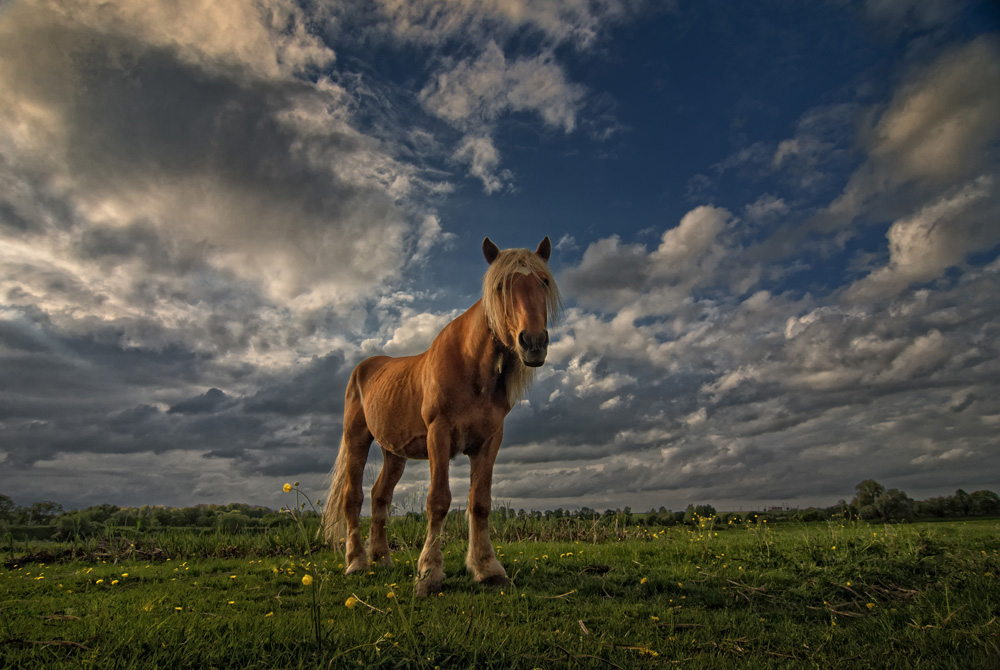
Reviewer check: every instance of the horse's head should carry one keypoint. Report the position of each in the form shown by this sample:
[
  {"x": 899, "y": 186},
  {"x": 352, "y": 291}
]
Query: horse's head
[{"x": 520, "y": 298}]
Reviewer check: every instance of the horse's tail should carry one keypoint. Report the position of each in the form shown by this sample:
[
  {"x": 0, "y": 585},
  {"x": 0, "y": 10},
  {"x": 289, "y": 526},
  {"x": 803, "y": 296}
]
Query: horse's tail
[{"x": 334, "y": 519}]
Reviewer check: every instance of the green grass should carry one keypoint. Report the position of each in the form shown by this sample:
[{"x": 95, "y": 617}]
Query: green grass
[{"x": 817, "y": 595}]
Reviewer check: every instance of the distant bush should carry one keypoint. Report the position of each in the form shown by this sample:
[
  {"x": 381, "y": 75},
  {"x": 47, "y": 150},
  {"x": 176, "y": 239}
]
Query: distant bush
[{"x": 75, "y": 526}]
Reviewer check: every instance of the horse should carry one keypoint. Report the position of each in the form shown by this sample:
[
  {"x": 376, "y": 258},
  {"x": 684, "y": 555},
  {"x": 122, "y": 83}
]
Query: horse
[{"x": 451, "y": 399}]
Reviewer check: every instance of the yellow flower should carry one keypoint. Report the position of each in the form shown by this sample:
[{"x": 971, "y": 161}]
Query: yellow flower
[
  {"x": 113, "y": 582},
  {"x": 269, "y": 614},
  {"x": 179, "y": 608},
  {"x": 286, "y": 488},
  {"x": 643, "y": 580},
  {"x": 307, "y": 580},
  {"x": 99, "y": 581},
  {"x": 124, "y": 574},
  {"x": 870, "y": 605},
  {"x": 390, "y": 595},
  {"x": 351, "y": 602}
]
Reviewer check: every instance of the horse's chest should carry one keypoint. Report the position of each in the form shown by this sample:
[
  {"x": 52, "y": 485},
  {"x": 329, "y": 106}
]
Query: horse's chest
[{"x": 473, "y": 432}]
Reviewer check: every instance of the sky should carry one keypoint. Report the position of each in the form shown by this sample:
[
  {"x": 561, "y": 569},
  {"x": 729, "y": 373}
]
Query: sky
[{"x": 775, "y": 228}]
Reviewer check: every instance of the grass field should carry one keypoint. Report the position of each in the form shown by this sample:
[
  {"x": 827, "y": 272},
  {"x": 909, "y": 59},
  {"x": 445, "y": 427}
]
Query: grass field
[{"x": 844, "y": 595}]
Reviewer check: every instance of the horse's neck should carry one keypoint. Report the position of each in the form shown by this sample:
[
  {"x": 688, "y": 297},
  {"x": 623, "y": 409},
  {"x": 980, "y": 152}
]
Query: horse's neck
[{"x": 496, "y": 364}]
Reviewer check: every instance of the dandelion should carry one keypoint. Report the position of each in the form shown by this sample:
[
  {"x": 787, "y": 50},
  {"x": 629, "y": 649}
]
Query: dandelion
[
  {"x": 232, "y": 602},
  {"x": 113, "y": 582},
  {"x": 269, "y": 614},
  {"x": 390, "y": 595},
  {"x": 643, "y": 580},
  {"x": 351, "y": 603},
  {"x": 287, "y": 488},
  {"x": 179, "y": 609},
  {"x": 307, "y": 580},
  {"x": 870, "y": 605},
  {"x": 124, "y": 574}
]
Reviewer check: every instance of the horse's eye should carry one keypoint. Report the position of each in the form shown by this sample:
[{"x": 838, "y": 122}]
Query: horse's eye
[
  {"x": 500, "y": 287},
  {"x": 545, "y": 280}
]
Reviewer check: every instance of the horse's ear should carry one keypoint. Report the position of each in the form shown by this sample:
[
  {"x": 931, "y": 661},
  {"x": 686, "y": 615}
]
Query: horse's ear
[
  {"x": 490, "y": 250},
  {"x": 545, "y": 249}
]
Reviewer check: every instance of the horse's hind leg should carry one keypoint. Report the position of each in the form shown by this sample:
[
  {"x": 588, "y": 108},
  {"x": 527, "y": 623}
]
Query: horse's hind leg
[
  {"x": 357, "y": 440},
  {"x": 392, "y": 470}
]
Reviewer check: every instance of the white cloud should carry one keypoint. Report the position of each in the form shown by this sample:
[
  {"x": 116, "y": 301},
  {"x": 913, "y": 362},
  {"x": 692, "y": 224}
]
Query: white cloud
[
  {"x": 766, "y": 208},
  {"x": 940, "y": 129},
  {"x": 630, "y": 279},
  {"x": 585, "y": 378},
  {"x": 472, "y": 95},
  {"x": 922, "y": 246},
  {"x": 415, "y": 332},
  {"x": 245, "y": 198},
  {"x": 266, "y": 39},
  {"x": 559, "y": 21},
  {"x": 483, "y": 159}
]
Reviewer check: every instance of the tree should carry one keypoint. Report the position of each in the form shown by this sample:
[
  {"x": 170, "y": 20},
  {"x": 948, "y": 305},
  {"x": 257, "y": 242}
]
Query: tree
[
  {"x": 7, "y": 508},
  {"x": 984, "y": 503},
  {"x": 894, "y": 505},
  {"x": 867, "y": 492},
  {"x": 689, "y": 514},
  {"x": 41, "y": 513},
  {"x": 963, "y": 506}
]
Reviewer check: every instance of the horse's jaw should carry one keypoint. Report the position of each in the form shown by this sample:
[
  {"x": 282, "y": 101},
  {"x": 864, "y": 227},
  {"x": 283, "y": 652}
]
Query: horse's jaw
[{"x": 532, "y": 360}]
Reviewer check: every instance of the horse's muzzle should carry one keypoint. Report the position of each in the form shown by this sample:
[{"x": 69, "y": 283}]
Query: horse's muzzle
[{"x": 533, "y": 347}]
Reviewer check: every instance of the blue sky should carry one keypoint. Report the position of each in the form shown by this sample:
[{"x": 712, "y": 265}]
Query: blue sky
[{"x": 774, "y": 227}]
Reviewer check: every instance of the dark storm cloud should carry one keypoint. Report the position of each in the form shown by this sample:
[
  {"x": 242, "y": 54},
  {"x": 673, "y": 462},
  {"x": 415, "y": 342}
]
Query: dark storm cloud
[
  {"x": 211, "y": 401},
  {"x": 319, "y": 388}
]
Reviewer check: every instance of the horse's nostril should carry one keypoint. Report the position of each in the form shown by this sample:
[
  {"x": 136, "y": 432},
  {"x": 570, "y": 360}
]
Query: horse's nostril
[
  {"x": 545, "y": 338},
  {"x": 522, "y": 340}
]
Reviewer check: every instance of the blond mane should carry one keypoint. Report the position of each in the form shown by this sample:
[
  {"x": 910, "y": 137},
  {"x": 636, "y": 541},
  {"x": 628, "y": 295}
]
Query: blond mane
[{"x": 498, "y": 306}]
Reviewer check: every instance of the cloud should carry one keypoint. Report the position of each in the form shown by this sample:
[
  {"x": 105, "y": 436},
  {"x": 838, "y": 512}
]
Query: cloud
[
  {"x": 813, "y": 157},
  {"x": 940, "y": 235},
  {"x": 147, "y": 142},
  {"x": 560, "y": 21},
  {"x": 615, "y": 276},
  {"x": 483, "y": 159},
  {"x": 938, "y": 130},
  {"x": 473, "y": 94},
  {"x": 900, "y": 15},
  {"x": 766, "y": 207},
  {"x": 212, "y": 400}
]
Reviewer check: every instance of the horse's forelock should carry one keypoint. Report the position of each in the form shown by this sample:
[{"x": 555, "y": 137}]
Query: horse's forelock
[{"x": 511, "y": 262}]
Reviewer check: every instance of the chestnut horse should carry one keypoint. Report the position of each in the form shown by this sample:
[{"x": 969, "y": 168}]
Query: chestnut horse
[{"x": 452, "y": 399}]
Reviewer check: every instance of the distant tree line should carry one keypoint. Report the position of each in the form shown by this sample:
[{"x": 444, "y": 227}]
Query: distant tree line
[
  {"x": 86, "y": 522},
  {"x": 872, "y": 501}
]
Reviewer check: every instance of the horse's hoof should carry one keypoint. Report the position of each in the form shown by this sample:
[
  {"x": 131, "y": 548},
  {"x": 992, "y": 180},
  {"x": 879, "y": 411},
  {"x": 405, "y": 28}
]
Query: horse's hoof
[
  {"x": 355, "y": 568},
  {"x": 426, "y": 587},
  {"x": 495, "y": 581}
]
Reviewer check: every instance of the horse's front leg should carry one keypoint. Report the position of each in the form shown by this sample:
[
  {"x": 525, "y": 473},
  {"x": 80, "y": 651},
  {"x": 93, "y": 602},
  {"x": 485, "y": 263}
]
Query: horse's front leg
[
  {"x": 430, "y": 566},
  {"x": 481, "y": 559}
]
